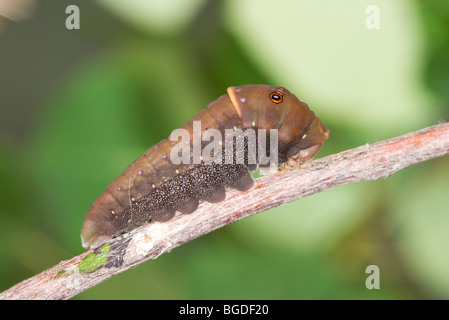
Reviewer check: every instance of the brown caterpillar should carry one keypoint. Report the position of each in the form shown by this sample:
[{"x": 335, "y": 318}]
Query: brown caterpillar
[{"x": 154, "y": 188}]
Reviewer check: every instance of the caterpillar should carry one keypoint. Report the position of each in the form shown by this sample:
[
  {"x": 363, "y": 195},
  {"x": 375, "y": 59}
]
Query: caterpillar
[{"x": 158, "y": 184}]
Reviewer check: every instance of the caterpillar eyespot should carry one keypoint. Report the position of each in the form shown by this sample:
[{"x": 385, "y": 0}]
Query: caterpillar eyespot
[
  {"x": 215, "y": 150},
  {"x": 276, "y": 97}
]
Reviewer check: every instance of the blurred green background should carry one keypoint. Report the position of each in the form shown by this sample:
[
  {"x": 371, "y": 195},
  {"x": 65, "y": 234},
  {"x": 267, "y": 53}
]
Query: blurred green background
[{"x": 77, "y": 106}]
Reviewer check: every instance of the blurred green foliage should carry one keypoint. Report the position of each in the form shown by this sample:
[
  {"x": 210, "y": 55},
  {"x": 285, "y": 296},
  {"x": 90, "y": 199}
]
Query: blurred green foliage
[{"x": 124, "y": 84}]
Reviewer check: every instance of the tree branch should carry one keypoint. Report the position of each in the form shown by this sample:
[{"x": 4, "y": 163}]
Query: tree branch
[{"x": 368, "y": 162}]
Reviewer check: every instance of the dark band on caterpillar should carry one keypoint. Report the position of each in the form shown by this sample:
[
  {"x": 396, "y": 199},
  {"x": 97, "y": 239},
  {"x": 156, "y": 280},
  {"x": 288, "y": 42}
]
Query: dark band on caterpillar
[{"x": 153, "y": 188}]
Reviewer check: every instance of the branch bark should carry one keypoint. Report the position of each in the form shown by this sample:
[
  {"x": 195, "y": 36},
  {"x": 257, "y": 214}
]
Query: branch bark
[{"x": 368, "y": 162}]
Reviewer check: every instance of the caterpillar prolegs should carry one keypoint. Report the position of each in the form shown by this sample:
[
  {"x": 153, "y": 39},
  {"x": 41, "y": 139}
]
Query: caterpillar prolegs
[{"x": 165, "y": 180}]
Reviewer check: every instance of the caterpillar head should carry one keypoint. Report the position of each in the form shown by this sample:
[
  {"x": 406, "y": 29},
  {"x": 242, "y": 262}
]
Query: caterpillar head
[{"x": 300, "y": 133}]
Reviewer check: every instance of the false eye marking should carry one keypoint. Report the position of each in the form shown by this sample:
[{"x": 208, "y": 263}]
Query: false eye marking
[{"x": 277, "y": 96}]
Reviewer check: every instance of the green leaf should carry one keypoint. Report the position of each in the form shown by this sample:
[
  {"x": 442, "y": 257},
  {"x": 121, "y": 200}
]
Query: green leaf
[
  {"x": 90, "y": 263},
  {"x": 95, "y": 260}
]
